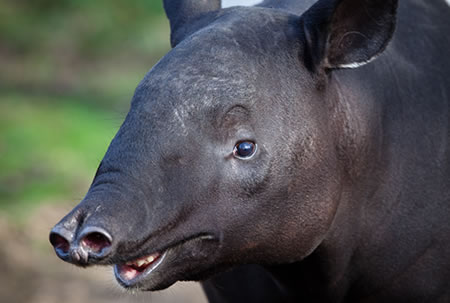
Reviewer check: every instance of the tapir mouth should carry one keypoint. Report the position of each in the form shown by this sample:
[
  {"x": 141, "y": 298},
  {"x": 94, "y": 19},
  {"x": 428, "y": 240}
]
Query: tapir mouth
[
  {"x": 148, "y": 272},
  {"x": 132, "y": 272}
]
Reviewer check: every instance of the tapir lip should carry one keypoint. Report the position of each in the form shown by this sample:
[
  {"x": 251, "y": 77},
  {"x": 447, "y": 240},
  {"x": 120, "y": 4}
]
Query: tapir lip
[
  {"x": 130, "y": 283},
  {"x": 156, "y": 275}
]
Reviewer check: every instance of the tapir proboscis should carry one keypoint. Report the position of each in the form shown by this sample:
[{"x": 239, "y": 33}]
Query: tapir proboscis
[{"x": 293, "y": 151}]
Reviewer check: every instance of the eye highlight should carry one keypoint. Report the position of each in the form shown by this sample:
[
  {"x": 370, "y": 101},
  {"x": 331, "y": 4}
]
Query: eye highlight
[{"x": 244, "y": 149}]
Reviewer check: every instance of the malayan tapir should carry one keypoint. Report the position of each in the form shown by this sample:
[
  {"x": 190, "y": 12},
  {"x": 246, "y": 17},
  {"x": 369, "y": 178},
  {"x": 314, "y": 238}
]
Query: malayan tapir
[{"x": 270, "y": 156}]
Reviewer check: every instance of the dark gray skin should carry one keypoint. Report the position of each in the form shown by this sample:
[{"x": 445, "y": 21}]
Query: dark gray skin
[{"x": 347, "y": 197}]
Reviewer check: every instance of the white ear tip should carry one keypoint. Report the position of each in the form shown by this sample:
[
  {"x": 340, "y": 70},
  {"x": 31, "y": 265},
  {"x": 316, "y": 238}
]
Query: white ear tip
[
  {"x": 228, "y": 3},
  {"x": 353, "y": 65},
  {"x": 357, "y": 64}
]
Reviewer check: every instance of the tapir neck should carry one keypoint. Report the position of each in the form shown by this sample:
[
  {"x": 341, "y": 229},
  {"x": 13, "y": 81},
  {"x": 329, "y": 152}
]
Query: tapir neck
[
  {"x": 391, "y": 190},
  {"x": 324, "y": 275}
]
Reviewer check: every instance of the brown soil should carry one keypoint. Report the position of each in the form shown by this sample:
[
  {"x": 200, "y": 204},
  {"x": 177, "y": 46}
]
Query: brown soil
[{"x": 31, "y": 273}]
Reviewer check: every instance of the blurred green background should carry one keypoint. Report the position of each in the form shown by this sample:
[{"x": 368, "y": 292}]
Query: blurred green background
[{"x": 68, "y": 70}]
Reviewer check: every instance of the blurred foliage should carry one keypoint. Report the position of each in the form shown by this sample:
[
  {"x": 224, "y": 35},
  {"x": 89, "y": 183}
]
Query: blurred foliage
[
  {"x": 82, "y": 47},
  {"x": 68, "y": 69},
  {"x": 48, "y": 151}
]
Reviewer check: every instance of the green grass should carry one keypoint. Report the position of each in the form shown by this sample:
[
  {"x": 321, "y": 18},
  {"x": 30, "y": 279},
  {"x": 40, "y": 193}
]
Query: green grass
[{"x": 49, "y": 149}]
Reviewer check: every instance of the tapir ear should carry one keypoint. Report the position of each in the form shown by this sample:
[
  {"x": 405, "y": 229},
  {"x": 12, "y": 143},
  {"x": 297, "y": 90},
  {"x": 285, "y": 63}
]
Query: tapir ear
[
  {"x": 347, "y": 33},
  {"x": 182, "y": 13}
]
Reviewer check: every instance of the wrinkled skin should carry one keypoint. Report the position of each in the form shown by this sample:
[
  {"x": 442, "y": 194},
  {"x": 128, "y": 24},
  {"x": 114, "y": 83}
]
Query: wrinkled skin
[{"x": 346, "y": 198}]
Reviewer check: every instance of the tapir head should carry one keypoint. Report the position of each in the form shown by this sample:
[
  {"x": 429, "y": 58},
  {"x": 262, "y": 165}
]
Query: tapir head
[{"x": 230, "y": 153}]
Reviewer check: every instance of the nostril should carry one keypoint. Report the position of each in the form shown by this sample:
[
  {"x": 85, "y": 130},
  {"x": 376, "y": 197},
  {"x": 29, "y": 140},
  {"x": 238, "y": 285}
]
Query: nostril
[
  {"x": 96, "y": 241},
  {"x": 60, "y": 243}
]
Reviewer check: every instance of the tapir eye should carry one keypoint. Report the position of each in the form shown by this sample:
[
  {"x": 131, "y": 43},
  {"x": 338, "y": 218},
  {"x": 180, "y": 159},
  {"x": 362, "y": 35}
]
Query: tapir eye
[{"x": 244, "y": 149}]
